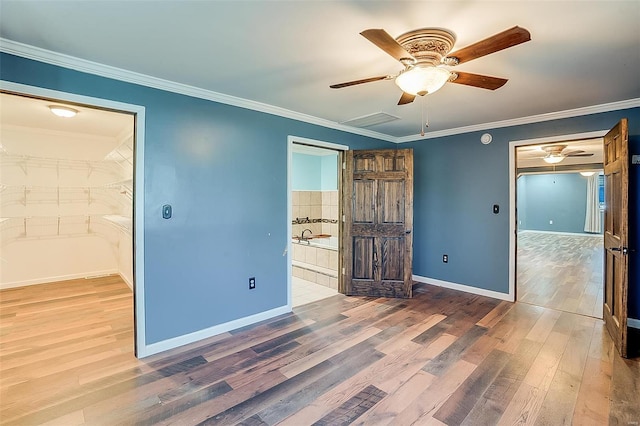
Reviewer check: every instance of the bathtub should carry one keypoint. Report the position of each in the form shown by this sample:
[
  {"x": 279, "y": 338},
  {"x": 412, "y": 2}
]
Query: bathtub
[
  {"x": 316, "y": 261},
  {"x": 330, "y": 243}
]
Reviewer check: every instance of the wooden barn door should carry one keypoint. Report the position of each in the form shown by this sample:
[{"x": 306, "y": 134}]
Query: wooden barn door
[
  {"x": 616, "y": 230},
  {"x": 378, "y": 223}
]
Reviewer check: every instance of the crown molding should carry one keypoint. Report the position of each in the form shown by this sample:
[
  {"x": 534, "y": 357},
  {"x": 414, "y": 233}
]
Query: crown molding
[
  {"x": 90, "y": 67},
  {"x": 83, "y": 65},
  {"x": 569, "y": 113}
]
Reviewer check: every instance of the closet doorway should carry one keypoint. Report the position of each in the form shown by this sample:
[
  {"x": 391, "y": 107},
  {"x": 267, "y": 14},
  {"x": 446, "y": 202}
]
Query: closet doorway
[{"x": 66, "y": 235}]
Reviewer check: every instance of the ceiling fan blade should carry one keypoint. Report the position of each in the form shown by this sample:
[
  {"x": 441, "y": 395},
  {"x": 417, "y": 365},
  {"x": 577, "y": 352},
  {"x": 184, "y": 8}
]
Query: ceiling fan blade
[
  {"x": 406, "y": 98},
  {"x": 364, "y": 80},
  {"x": 495, "y": 43},
  {"x": 578, "y": 155},
  {"x": 477, "y": 80},
  {"x": 384, "y": 41}
]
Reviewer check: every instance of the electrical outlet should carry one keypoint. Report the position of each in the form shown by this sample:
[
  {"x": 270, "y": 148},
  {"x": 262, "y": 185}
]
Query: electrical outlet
[
  {"x": 445, "y": 258},
  {"x": 550, "y": 222},
  {"x": 252, "y": 283}
]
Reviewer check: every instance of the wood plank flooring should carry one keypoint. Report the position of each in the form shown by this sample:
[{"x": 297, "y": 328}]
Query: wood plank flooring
[
  {"x": 560, "y": 271},
  {"x": 444, "y": 357}
]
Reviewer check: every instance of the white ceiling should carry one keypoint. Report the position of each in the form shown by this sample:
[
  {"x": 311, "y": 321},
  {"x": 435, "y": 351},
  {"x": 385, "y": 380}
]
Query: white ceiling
[
  {"x": 287, "y": 53},
  {"x": 532, "y": 156},
  {"x": 27, "y": 127}
]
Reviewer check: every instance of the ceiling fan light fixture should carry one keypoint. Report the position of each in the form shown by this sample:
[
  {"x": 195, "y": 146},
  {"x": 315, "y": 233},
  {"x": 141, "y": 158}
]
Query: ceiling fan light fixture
[
  {"x": 420, "y": 80},
  {"x": 553, "y": 158},
  {"x": 63, "y": 111}
]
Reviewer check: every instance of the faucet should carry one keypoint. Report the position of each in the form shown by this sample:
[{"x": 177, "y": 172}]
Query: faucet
[{"x": 302, "y": 238}]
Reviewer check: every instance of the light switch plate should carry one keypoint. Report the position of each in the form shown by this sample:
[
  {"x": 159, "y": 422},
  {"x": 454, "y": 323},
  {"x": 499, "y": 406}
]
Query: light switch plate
[
  {"x": 635, "y": 159},
  {"x": 166, "y": 211}
]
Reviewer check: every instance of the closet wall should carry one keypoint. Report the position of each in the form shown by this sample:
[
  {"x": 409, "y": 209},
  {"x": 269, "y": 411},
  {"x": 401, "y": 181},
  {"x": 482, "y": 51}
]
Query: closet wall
[{"x": 65, "y": 206}]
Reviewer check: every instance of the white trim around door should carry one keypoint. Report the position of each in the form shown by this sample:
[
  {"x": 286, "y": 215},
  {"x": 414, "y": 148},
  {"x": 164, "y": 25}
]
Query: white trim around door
[
  {"x": 512, "y": 193},
  {"x": 305, "y": 141}
]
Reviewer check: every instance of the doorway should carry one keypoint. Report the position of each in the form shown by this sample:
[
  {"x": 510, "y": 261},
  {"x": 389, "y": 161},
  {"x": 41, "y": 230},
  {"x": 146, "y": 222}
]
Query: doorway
[
  {"x": 87, "y": 188},
  {"x": 558, "y": 224},
  {"x": 313, "y": 223}
]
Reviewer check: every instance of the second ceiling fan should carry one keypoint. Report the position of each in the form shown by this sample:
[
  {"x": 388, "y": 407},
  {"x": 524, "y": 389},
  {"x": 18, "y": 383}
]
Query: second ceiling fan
[{"x": 425, "y": 54}]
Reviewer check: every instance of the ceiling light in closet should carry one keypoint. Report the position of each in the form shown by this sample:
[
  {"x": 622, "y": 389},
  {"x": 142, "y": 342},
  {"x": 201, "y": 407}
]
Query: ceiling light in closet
[
  {"x": 63, "y": 111},
  {"x": 587, "y": 174}
]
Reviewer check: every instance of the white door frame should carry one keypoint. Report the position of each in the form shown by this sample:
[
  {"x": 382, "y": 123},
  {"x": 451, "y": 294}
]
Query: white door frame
[
  {"x": 512, "y": 193},
  {"x": 311, "y": 142},
  {"x": 138, "y": 193}
]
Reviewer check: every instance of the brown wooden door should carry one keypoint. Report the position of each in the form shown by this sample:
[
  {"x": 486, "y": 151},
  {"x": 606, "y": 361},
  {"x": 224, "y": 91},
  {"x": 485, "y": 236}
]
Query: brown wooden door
[
  {"x": 616, "y": 264},
  {"x": 378, "y": 223}
]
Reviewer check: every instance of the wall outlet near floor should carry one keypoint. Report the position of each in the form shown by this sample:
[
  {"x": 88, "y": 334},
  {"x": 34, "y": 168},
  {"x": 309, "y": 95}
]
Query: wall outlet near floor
[
  {"x": 550, "y": 222},
  {"x": 445, "y": 258},
  {"x": 252, "y": 283}
]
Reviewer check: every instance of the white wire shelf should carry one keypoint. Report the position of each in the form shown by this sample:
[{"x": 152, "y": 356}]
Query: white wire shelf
[{"x": 45, "y": 227}]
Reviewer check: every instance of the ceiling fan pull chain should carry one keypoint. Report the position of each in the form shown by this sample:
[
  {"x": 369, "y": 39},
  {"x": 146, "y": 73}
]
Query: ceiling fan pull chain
[
  {"x": 424, "y": 101},
  {"x": 422, "y": 120},
  {"x": 426, "y": 112}
]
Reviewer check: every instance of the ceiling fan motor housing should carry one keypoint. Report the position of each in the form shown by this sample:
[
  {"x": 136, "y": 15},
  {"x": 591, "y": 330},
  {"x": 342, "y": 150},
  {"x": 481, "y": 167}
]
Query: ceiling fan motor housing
[
  {"x": 428, "y": 45},
  {"x": 554, "y": 149}
]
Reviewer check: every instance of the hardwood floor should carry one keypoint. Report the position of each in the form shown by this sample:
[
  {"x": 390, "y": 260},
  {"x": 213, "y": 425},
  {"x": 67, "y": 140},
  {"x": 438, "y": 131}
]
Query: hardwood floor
[
  {"x": 444, "y": 357},
  {"x": 562, "y": 272}
]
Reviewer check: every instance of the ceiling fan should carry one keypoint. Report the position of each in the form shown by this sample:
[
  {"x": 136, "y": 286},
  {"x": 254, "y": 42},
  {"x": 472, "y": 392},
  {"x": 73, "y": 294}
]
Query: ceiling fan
[
  {"x": 556, "y": 153},
  {"x": 425, "y": 53}
]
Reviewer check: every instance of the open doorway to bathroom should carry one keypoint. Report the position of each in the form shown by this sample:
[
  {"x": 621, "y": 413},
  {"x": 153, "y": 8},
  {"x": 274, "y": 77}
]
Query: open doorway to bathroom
[{"x": 315, "y": 228}]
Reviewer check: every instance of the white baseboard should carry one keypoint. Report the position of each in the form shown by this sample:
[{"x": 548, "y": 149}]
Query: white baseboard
[
  {"x": 45, "y": 280},
  {"x": 573, "y": 234},
  {"x": 462, "y": 287},
  {"x": 126, "y": 280},
  {"x": 633, "y": 323},
  {"x": 175, "y": 342}
]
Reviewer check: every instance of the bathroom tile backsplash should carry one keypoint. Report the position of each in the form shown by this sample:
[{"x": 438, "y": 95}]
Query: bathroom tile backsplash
[{"x": 315, "y": 210}]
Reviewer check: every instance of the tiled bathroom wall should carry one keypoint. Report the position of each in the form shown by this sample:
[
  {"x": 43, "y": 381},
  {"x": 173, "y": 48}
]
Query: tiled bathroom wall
[{"x": 315, "y": 210}]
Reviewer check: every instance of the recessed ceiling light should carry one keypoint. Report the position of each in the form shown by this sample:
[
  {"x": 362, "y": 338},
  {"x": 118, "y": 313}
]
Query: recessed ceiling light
[{"x": 63, "y": 111}]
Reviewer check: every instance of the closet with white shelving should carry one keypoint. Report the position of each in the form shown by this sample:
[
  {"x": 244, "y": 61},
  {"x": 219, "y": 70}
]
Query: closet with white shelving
[{"x": 65, "y": 216}]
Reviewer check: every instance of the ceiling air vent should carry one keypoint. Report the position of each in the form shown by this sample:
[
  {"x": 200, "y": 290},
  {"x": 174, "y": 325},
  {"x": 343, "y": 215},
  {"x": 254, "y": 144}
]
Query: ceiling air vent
[{"x": 370, "y": 120}]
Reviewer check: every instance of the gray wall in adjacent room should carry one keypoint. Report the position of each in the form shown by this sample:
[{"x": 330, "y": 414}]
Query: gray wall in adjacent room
[{"x": 560, "y": 198}]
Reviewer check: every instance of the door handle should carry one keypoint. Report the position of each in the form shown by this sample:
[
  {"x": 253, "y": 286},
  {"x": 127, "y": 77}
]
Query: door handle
[
  {"x": 624, "y": 250},
  {"x": 408, "y": 231}
]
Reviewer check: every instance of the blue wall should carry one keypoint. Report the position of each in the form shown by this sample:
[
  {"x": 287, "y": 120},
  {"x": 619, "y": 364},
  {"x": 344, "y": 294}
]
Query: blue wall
[
  {"x": 306, "y": 172},
  {"x": 230, "y": 205},
  {"x": 559, "y": 197},
  {"x": 634, "y": 227},
  {"x": 314, "y": 172},
  {"x": 227, "y": 183},
  {"x": 329, "y": 172},
  {"x": 457, "y": 180}
]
